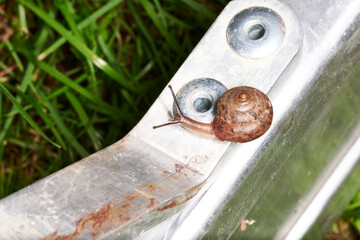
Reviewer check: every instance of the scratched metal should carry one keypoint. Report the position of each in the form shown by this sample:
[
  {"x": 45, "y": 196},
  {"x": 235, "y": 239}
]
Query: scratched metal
[
  {"x": 99, "y": 195},
  {"x": 170, "y": 183},
  {"x": 214, "y": 58},
  {"x": 149, "y": 175},
  {"x": 285, "y": 180}
]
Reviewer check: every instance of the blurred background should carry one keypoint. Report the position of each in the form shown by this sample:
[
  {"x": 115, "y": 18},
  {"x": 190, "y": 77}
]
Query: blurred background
[{"x": 76, "y": 76}]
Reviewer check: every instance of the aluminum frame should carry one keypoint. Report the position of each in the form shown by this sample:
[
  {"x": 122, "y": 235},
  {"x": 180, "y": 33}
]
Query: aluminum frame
[{"x": 172, "y": 184}]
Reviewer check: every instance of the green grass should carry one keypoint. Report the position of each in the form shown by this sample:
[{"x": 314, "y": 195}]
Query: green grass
[
  {"x": 352, "y": 213},
  {"x": 76, "y": 76}
]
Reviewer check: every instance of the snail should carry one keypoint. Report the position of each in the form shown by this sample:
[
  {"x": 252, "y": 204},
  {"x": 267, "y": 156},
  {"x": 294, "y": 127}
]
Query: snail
[{"x": 243, "y": 114}]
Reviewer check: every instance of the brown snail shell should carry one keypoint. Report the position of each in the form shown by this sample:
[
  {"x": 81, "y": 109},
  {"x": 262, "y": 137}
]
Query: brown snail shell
[{"x": 243, "y": 114}]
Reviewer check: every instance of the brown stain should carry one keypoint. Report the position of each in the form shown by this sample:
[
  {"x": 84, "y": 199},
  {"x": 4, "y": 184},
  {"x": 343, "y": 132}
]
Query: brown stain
[
  {"x": 150, "y": 189},
  {"x": 190, "y": 193},
  {"x": 152, "y": 203},
  {"x": 50, "y": 236},
  {"x": 171, "y": 205},
  {"x": 185, "y": 170},
  {"x": 121, "y": 211},
  {"x": 111, "y": 216},
  {"x": 121, "y": 143},
  {"x": 194, "y": 190},
  {"x": 174, "y": 203},
  {"x": 199, "y": 159},
  {"x": 178, "y": 168},
  {"x": 100, "y": 217}
]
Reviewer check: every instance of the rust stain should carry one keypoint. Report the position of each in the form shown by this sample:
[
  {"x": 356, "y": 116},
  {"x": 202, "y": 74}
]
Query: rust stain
[
  {"x": 123, "y": 210},
  {"x": 150, "y": 189},
  {"x": 50, "y": 236},
  {"x": 121, "y": 143},
  {"x": 111, "y": 216},
  {"x": 195, "y": 189},
  {"x": 152, "y": 203},
  {"x": 184, "y": 170},
  {"x": 198, "y": 161},
  {"x": 178, "y": 168},
  {"x": 189, "y": 195},
  {"x": 173, "y": 203},
  {"x": 100, "y": 217}
]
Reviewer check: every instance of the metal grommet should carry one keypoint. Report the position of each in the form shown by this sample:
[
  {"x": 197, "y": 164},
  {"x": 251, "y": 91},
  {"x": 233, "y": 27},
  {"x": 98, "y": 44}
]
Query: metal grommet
[
  {"x": 255, "y": 32},
  {"x": 198, "y": 98}
]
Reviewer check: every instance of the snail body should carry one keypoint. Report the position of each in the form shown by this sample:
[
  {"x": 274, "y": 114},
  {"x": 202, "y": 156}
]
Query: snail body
[{"x": 243, "y": 114}]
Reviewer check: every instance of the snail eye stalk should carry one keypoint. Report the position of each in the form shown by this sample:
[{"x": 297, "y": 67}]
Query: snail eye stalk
[
  {"x": 172, "y": 121},
  {"x": 176, "y": 102},
  {"x": 166, "y": 124}
]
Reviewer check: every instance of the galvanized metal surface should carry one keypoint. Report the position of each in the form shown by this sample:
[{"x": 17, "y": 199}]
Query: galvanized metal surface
[
  {"x": 98, "y": 195},
  {"x": 197, "y": 99},
  {"x": 315, "y": 114},
  {"x": 169, "y": 183},
  {"x": 256, "y": 32}
]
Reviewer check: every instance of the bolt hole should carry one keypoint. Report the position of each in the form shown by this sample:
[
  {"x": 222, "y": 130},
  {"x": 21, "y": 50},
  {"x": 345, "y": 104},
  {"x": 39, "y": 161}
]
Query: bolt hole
[
  {"x": 255, "y": 31},
  {"x": 202, "y": 105}
]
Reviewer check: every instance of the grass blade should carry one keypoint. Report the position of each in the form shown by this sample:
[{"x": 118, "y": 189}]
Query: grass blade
[
  {"x": 199, "y": 8},
  {"x": 70, "y": 20},
  {"x": 25, "y": 115},
  {"x": 147, "y": 35},
  {"x": 24, "y": 84},
  {"x": 34, "y": 102},
  {"x": 7, "y": 124},
  {"x": 14, "y": 55},
  {"x": 105, "y": 49},
  {"x": 65, "y": 131},
  {"x": 84, "y": 119},
  {"x": 90, "y": 19},
  {"x": 53, "y": 95},
  {"x": 149, "y": 8},
  {"x": 161, "y": 13},
  {"x": 79, "y": 45},
  {"x": 102, "y": 106},
  {"x": 22, "y": 18}
]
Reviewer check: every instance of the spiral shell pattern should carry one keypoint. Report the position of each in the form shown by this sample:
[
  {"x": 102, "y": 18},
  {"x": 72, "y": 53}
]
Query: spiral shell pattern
[{"x": 243, "y": 114}]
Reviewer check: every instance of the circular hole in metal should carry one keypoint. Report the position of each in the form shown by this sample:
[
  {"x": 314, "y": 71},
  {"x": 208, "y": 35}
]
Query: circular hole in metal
[
  {"x": 255, "y": 31},
  {"x": 202, "y": 105},
  {"x": 198, "y": 98}
]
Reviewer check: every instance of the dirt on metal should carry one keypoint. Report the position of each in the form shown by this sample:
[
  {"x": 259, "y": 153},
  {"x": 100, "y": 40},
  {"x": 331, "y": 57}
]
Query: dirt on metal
[
  {"x": 111, "y": 216},
  {"x": 121, "y": 212},
  {"x": 189, "y": 194}
]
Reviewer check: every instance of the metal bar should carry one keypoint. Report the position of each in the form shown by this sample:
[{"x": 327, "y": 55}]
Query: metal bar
[
  {"x": 169, "y": 183},
  {"x": 315, "y": 113}
]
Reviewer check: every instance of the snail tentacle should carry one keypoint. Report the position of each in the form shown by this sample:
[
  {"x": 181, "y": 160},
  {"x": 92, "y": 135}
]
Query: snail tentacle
[{"x": 176, "y": 102}]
